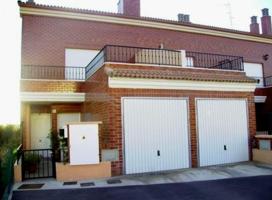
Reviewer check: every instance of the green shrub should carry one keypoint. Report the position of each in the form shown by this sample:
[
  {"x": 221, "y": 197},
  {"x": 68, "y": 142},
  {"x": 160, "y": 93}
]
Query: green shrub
[{"x": 10, "y": 138}]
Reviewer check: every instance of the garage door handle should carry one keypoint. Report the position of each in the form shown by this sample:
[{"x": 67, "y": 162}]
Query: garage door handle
[
  {"x": 225, "y": 147},
  {"x": 158, "y": 153}
]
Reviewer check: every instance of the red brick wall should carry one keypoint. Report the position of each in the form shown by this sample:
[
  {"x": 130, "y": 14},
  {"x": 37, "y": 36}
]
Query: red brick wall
[
  {"x": 44, "y": 40},
  {"x": 112, "y": 132},
  {"x": 51, "y": 86},
  {"x": 98, "y": 105}
]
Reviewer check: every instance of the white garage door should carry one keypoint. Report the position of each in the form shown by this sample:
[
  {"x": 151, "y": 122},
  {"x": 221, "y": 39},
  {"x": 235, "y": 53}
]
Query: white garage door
[
  {"x": 222, "y": 131},
  {"x": 156, "y": 134}
]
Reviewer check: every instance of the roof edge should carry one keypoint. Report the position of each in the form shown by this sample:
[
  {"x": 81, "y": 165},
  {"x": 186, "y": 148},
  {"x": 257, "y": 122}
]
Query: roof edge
[
  {"x": 175, "y": 75},
  {"x": 144, "y": 19}
]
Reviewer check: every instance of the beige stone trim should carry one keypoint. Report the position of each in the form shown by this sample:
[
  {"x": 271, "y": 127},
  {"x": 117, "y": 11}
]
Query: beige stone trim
[
  {"x": 263, "y": 156},
  {"x": 90, "y": 122},
  {"x": 17, "y": 170},
  {"x": 139, "y": 22},
  {"x": 67, "y": 172},
  {"x": 139, "y": 83},
  {"x": 52, "y": 97}
]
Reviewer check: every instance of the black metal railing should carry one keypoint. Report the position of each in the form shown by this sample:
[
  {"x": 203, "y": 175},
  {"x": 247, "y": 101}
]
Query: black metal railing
[
  {"x": 268, "y": 81},
  {"x": 52, "y": 72},
  {"x": 138, "y": 55},
  {"x": 125, "y": 54},
  {"x": 96, "y": 63},
  {"x": 214, "y": 61},
  {"x": 38, "y": 163}
]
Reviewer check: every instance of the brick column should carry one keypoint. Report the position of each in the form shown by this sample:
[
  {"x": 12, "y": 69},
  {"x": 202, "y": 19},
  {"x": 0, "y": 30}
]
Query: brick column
[
  {"x": 194, "y": 148},
  {"x": 252, "y": 122}
]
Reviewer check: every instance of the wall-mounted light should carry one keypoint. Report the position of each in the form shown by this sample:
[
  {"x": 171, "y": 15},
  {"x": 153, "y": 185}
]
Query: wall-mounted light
[{"x": 265, "y": 57}]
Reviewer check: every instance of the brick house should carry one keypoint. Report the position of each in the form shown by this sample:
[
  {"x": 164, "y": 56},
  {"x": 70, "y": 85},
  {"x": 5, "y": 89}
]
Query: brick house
[{"x": 170, "y": 94}]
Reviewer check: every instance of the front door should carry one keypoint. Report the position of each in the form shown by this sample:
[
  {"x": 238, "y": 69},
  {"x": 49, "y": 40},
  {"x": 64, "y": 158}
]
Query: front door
[{"x": 40, "y": 131}]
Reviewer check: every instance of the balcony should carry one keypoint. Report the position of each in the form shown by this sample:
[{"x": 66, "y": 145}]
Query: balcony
[
  {"x": 134, "y": 55},
  {"x": 53, "y": 72},
  {"x": 151, "y": 56},
  {"x": 263, "y": 81}
]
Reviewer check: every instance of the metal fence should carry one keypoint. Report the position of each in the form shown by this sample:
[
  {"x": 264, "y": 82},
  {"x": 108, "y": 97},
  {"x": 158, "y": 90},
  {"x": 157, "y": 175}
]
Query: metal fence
[
  {"x": 214, "y": 61},
  {"x": 125, "y": 54},
  {"x": 268, "y": 81},
  {"x": 52, "y": 72},
  {"x": 96, "y": 63},
  {"x": 38, "y": 163},
  {"x": 139, "y": 55}
]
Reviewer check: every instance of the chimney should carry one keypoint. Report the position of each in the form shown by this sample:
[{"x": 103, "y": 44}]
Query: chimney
[
  {"x": 129, "y": 7},
  {"x": 180, "y": 17},
  {"x": 184, "y": 18},
  {"x": 30, "y": 1},
  {"x": 187, "y": 18},
  {"x": 266, "y": 22},
  {"x": 254, "y": 26}
]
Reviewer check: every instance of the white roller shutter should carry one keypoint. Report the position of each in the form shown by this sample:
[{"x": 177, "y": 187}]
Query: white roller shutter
[{"x": 155, "y": 134}]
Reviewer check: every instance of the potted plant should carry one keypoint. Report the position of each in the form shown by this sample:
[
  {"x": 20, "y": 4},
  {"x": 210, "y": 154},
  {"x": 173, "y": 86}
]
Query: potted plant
[
  {"x": 54, "y": 144},
  {"x": 31, "y": 162}
]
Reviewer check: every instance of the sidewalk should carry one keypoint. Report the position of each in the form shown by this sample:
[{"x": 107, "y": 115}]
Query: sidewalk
[{"x": 178, "y": 176}]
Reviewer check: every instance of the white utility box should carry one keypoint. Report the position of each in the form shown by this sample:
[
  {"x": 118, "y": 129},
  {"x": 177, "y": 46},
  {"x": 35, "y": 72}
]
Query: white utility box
[{"x": 83, "y": 143}]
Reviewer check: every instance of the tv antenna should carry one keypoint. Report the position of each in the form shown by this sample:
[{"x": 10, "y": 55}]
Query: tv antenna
[{"x": 229, "y": 13}]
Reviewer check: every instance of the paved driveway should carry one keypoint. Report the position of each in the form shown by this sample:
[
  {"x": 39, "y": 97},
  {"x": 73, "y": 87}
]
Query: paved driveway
[{"x": 247, "y": 188}]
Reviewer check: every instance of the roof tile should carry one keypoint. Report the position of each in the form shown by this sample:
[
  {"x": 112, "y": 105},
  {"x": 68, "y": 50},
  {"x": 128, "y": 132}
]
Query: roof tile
[{"x": 179, "y": 75}]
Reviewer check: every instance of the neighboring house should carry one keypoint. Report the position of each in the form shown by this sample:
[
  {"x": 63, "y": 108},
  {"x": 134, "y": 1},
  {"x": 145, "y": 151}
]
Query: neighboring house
[{"x": 170, "y": 94}]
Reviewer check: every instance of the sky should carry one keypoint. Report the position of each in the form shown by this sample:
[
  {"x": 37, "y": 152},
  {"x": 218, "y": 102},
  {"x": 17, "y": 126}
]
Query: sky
[{"x": 222, "y": 13}]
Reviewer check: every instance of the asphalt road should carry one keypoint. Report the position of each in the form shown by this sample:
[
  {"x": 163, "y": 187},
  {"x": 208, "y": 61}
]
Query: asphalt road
[{"x": 249, "y": 188}]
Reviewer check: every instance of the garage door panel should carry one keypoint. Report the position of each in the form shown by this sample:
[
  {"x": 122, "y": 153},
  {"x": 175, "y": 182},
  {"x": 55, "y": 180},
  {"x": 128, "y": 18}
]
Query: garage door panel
[
  {"x": 152, "y": 125},
  {"x": 222, "y": 131}
]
